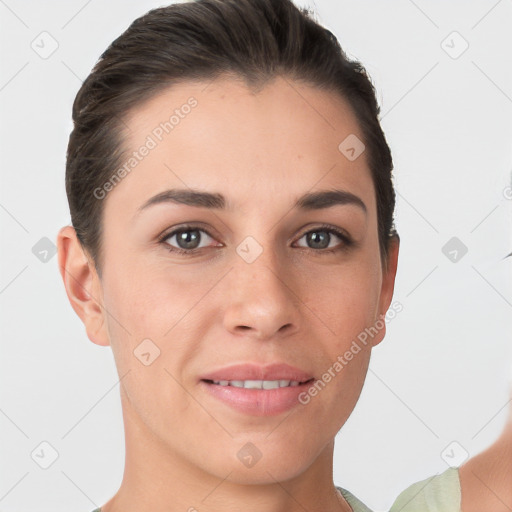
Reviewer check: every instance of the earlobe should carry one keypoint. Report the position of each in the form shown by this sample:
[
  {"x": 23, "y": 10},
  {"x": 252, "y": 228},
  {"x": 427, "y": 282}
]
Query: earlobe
[{"x": 82, "y": 285}]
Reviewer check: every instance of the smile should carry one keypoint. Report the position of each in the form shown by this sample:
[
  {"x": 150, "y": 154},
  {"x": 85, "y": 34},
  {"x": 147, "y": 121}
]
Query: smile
[
  {"x": 258, "y": 384},
  {"x": 256, "y": 397}
]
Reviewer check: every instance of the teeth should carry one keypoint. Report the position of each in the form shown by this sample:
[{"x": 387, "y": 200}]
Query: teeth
[{"x": 257, "y": 384}]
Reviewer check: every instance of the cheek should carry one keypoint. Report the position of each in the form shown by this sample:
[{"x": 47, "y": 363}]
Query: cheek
[
  {"x": 155, "y": 316},
  {"x": 149, "y": 301},
  {"x": 344, "y": 303},
  {"x": 147, "y": 315},
  {"x": 349, "y": 305}
]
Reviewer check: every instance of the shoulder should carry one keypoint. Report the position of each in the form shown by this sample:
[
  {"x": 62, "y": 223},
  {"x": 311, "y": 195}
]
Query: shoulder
[
  {"x": 355, "y": 504},
  {"x": 438, "y": 493}
]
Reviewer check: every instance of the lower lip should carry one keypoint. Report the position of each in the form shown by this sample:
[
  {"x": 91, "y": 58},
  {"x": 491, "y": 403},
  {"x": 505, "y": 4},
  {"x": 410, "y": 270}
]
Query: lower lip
[{"x": 258, "y": 402}]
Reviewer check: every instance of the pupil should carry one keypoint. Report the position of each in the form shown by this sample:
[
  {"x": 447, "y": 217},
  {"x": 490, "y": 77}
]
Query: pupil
[
  {"x": 188, "y": 239},
  {"x": 319, "y": 239}
]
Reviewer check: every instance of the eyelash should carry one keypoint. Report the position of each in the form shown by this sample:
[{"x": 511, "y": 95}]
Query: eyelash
[{"x": 347, "y": 242}]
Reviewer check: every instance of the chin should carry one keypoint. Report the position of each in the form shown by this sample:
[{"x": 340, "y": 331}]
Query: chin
[
  {"x": 265, "y": 473},
  {"x": 253, "y": 466}
]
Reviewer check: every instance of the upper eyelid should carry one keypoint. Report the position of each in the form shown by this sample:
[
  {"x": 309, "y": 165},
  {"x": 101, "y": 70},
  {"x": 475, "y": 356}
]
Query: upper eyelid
[{"x": 192, "y": 227}]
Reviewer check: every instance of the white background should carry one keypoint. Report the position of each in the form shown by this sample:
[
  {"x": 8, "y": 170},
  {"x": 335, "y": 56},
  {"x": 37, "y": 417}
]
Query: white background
[{"x": 442, "y": 372}]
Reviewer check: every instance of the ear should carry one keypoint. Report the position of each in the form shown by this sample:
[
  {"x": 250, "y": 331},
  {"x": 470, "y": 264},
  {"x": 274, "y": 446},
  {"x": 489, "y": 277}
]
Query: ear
[
  {"x": 387, "y": 287},
  {"x": 83, "y": 286}
]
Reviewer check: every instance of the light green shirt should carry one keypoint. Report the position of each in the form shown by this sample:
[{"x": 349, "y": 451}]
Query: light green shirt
[
  {"x": 355, "y": 504},
  {"x": 439, "y": 493}
]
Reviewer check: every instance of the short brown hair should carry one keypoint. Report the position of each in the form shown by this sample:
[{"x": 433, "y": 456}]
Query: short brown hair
[{"x": 254, "y": 39}]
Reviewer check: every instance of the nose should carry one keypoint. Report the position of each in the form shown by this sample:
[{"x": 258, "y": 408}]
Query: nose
[{"x": 262, "y": 302}]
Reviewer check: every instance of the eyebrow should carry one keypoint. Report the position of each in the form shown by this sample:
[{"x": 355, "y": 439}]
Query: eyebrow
[{"x": 310, "y": 201}]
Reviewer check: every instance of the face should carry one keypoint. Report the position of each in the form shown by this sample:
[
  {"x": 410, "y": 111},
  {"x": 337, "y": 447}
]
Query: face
[{"x": 223, "y": 248}]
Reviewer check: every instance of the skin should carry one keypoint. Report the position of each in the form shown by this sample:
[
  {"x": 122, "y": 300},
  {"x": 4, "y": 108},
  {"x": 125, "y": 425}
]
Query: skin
[
  {"x": 295, "y": 303},
  {"x": 486, "y": 479}
]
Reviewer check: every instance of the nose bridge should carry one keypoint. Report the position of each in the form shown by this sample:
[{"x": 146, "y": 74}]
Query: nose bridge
[{"x": 262, "y": 265}]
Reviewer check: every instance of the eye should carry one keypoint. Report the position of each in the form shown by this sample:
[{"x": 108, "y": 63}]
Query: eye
[
  {"x": 186, "y": 239},
  {"x": 325, "y": 238},
  {"x": 190, "y": 239}
]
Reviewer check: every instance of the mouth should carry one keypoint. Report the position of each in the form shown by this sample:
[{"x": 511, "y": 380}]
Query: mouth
[
  {"x": 259, "y": 384},
  {"x": 250, "y": 388},
  {"x": 257, "y": 397}
]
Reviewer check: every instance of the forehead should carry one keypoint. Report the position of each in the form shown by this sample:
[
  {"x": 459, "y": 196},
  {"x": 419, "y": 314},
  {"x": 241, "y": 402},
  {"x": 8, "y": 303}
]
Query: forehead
[{"x": 222, "y": 136}]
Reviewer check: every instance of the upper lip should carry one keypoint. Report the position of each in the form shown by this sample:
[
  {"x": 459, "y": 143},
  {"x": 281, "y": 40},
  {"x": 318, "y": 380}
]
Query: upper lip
[{"x": 253, "y": 371}]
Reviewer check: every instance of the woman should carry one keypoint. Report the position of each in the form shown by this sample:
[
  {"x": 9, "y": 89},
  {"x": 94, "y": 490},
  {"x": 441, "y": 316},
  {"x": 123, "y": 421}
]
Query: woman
[{"x": 232, "y": 240}]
